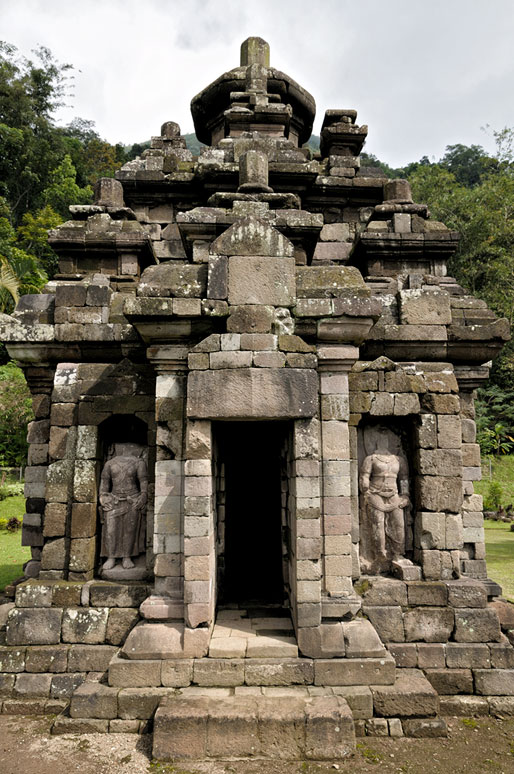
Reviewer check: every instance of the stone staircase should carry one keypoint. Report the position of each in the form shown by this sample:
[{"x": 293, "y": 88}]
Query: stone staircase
[{"x": 270, "y": 702}]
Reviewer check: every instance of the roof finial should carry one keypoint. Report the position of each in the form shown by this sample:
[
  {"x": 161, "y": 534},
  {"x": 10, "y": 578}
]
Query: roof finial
[{"x": 254, "y": 51}]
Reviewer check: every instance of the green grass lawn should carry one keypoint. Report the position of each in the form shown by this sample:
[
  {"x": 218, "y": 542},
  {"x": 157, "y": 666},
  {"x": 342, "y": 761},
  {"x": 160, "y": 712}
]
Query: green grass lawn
[
  {"x": 502, "y": 472},
  {"x": 499, "y": 542},
  {"x": 12, "y": 506}
]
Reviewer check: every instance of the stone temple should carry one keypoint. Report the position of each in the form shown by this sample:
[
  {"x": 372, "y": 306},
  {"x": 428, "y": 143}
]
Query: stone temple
[{"x": 250, "y": 486}]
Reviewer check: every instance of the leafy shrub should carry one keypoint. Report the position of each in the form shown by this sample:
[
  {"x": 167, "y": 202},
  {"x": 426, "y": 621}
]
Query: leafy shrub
[
  {"x": 3, "y": 524},
  {"x": 494, "y": 496},
  {"x": 13, "y": 524}
]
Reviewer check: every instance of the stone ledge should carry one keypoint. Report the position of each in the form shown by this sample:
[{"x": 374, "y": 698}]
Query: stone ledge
[{"x": 288, "y": 728}]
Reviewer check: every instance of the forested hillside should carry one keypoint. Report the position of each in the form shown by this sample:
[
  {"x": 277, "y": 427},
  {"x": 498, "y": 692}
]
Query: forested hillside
[{"x": 45, "y": 167}]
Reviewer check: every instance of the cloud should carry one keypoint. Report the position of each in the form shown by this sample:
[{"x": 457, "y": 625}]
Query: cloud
[{"x": 420, "y": 75}]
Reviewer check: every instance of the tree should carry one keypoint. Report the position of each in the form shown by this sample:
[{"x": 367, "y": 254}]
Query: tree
[
  {"x": 467, "y": 163},
  {"x": 20, "y": 272},
  {"x": 30, "y": 146},
  {"x": 63, "y": 189},
  {"x": 15, "y": 414},
  {"x": 33, "y": 236}
]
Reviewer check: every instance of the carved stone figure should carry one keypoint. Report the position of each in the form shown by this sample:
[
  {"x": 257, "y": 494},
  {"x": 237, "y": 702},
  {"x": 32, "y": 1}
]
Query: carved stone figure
[
  {"x": 123, "y": 497},
  {"x": 384, "y": 486}
]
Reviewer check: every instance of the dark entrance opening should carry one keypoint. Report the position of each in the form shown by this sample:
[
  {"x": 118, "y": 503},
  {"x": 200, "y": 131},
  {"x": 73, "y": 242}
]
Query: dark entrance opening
[{"x": 251, "y": 468}]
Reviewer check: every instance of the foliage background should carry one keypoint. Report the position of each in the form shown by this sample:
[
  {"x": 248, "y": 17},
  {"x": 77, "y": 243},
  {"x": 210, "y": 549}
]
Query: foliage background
[{"x": 45, "y": 167}]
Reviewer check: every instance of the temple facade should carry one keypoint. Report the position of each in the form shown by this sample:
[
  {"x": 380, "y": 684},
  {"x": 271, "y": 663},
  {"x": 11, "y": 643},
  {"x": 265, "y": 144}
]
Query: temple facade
[{"x": 253, "y": 452}]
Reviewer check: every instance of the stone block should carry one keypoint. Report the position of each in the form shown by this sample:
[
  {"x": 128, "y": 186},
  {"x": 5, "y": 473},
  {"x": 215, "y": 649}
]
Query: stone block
[
  {"x": 120, "y": 622},
  {"x": 64, "y": 725},
  {"x": 139, "y": 703},
  {"x": 64, "y": 686},
  {"x": 410, "y": 695},
  {"x": 429, "y": 624},
  {"x": 218, "y": 672},
  {"x": 261, "y": 280},
  {"x": 155, "y": 641},
  {"x": 251, "y": 318},
  {"x": 467, "y": 593},
  {"x": 82, "y": 554},
  {"x": 84, "y": 481},
  {"x": 421, "y": 728},
  {"x": 177, "y": 673},
  {"x": 424, "y": 307},
  {"x": 6, "y": 685},
  {"x": 501, "y": 706},
  {"x": 86, "y": 626},
  {"x": 439, "y": 462},
  {"x": 494, "y": 682},
  {"x": 46, "y": 658},
  {"x": 126, "y": 673},
  {"x": 450, "y": 681},
  {"x": 180, "y": 729},
  {"x": 382, "y": 591},
  {"x": 94, "y": 700},
  {"x": 55, "y": 520},
  {"x": 454, "y": 531},
  {"x": 428, "y": 593},
  {"x": 502, "y": 655},
  {"x": 440, "y": 493},
  {"x": 228, "y": 647},
  {"x": 32, "y": 686},
  {"x": 431, "y": 655},
  {"x": 345, "y": 671},
  {"x": 83, "y": 520},
  {"x": 362, "y": 640},
  {"x": 246, "y": 393},
  {"x": 232, "y": 725},
  {"x": 405, "y": 654},
  {"x": 427, "y": 431},
  {"x": 505, "y": 612},
  {"x": 105, "y": 594},
  {"x": 90, "y": 658},
  {"x": 33, "y": 594},
  {"x": 54, "y": 554},
  {"x": 430, "y": 530},
  {"x": 388, "y": 621},
  {"x": 460, "y": 655},
  {"x": 279, "y": 672},
  {"x": 476, "y": 625},
  {"x": 377, "y": 727},
  {"x": 329, "y": 728},
  {"x": 272, "y": 647},
  {"x": 463, "y": 706},
  {"x": 33, "y": 626},
  {"x": 405, "y": 404}
]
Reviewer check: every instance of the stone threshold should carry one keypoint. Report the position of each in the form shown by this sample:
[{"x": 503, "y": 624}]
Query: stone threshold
[{"x": 253, "y": 633}]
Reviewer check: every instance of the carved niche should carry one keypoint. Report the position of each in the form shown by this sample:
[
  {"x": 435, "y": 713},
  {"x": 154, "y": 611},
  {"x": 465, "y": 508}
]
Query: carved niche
[
  {"x": 123, "y": 497},
  {"x": 385, "y": 509}
]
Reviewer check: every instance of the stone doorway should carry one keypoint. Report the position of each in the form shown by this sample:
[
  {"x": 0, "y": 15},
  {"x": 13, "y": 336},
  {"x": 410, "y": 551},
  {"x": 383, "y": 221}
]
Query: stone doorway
[{"x": 251, "y": 503}]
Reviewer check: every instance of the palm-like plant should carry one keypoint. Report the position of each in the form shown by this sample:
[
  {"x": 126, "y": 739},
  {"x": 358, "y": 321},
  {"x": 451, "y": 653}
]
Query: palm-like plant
[{"x": 19, "y": 275}]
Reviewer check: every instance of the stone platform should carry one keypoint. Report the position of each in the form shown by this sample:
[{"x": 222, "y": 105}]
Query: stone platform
[{"x": 288, "y": 728}]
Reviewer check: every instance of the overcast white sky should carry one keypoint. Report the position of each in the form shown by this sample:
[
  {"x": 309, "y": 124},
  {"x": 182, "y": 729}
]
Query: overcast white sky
[{"x": 422, "y": 75}]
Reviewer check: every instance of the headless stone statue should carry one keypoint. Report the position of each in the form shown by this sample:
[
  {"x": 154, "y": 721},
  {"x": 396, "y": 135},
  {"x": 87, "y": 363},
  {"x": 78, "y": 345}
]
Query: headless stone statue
[
  {"x": 123, "y": 497},
  {"x": 384, "y": 485}
]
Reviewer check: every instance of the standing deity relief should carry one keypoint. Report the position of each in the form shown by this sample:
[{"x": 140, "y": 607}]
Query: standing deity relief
[
  {"x": 123, "y": 498},
  {"x": 384, "y": 502}
]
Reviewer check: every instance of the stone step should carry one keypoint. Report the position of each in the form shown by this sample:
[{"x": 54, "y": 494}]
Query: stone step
[
  {"x": 179, "y": 673},
  {"x": 411, "y": 695},
  {"x": 101, "y": 702},
  {"x": 269, "y": 727}
]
